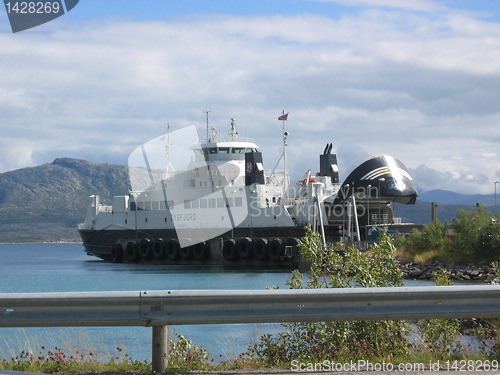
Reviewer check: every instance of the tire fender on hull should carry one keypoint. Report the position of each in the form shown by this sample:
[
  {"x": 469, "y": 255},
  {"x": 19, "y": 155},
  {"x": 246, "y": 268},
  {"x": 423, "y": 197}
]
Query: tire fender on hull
[
  {"x": 158, "y": 249},
  {"x": 117, "y": 253},
  {"x": 146, "y": 249},
  {"x": 172, "y": 249},
  {"x": 201, "y": 251},
  {"x": 186, "y": 252},
  {"x": 245, "y": 248},
  {"x": 260, "y": 249},
  {"x": 276, "y": 249},
  {"x": 132, "y": 252},
  {"x": 229, "y": 250}
]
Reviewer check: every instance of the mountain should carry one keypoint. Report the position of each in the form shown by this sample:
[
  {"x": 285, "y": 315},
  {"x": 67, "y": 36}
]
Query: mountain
[
  {"x": 421, "y": 212},
  {"x": 47, "y": 202},
  {"x": 449, "y": 197},
  {"x": 448, "y": 203}
]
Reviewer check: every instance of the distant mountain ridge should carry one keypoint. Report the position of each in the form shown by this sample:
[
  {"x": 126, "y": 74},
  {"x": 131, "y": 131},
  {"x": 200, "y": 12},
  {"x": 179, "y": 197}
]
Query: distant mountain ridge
[
  {"x": 450, "y": 197},
  {"x": 47, "y": 202}
]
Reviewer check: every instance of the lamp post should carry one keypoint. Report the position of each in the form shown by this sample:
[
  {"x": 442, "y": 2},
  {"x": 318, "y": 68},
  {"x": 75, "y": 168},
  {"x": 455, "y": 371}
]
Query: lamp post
[
  {"x": 379, "y": 200},
  {"x": 368, "y": 197}
]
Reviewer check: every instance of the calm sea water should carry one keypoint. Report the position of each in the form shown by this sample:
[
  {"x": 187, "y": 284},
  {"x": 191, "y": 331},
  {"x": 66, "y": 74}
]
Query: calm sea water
[{"x": 66, "y": 268}]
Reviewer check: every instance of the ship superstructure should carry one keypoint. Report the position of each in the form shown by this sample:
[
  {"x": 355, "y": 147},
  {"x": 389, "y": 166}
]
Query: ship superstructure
[{"x": 211, "y": 201}]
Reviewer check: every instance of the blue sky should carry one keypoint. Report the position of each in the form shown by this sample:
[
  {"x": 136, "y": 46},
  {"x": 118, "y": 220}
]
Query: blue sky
[
  {"x": 415, "y": 79},
  {"x": 162, "y": 9}
]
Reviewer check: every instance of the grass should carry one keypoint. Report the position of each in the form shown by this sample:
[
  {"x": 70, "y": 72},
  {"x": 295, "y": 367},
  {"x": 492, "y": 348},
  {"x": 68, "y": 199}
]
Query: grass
[
  {"x": 51, "y": 360},
  {"x": 427, "y": 256},
  {"x": 87, "y": 357},
  {"x": 430, "y": 255},
  {"x": 55, "y": 361}
]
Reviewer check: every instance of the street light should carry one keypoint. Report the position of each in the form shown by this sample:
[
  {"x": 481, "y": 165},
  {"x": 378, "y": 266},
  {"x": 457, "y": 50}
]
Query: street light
[
  {"x": 379, "y": 200},
  {"x": 368, "y": 197}
]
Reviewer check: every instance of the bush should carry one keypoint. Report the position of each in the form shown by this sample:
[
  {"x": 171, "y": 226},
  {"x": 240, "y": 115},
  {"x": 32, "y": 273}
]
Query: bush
[
  {"x": 184, "y": 355},
  {"x": 432, "y": 238},
  {"x": 340, "y": 341},
  {"x": 476, "y": 235}
]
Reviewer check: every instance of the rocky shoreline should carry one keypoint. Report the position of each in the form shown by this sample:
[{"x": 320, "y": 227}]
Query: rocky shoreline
[{"x": 469, "y": 272}]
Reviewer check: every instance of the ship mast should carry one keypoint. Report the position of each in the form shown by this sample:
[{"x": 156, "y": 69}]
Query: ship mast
[
  {"x": 170, "y": 169},
  {"x": 284, "y": 118},
  {"x": 232, "y": 132},
  {"x": 207, "y": 111}
]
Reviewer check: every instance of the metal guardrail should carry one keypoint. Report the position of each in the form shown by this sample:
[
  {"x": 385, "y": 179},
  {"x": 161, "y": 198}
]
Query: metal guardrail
[{"x": 160, "y": 309}]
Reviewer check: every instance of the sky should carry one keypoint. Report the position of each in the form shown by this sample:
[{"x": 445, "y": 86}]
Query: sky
[{"x": 418, "y": 80}]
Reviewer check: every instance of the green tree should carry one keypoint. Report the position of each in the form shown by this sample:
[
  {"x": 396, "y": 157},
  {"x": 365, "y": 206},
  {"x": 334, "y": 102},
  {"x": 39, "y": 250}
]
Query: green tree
[{"x": 476, "y": 235}]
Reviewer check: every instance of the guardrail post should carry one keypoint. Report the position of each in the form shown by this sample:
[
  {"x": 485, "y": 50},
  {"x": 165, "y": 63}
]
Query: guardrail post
[{"x": 160, "y": 348}]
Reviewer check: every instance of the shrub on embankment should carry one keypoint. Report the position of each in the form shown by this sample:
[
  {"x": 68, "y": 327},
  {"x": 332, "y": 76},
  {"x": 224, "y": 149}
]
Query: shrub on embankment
[{"x": 472, "y": 237}]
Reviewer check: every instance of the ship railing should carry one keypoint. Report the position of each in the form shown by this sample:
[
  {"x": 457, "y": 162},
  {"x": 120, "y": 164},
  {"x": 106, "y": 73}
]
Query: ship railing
[
  {"x": 220, "y": 138},
  {"x": 160, "y": 309}
]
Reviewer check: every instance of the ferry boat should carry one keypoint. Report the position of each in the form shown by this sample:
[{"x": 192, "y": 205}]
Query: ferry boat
[{"x": 210, "y": 201}]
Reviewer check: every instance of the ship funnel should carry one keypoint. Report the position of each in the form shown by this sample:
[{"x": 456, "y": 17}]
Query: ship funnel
[{"x": 328, "y": 164}]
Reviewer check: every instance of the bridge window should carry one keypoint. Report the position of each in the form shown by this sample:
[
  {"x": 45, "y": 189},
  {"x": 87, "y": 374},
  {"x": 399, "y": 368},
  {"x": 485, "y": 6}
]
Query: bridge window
[
  {"x": 211, "y": 202},
  {"x": 203, "y": 203}
]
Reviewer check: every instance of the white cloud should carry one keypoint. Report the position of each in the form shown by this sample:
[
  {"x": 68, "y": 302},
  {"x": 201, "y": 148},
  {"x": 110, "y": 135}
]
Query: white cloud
[
  {"x": 419, "y": 87},
  {"x": 419, "y": 5}
]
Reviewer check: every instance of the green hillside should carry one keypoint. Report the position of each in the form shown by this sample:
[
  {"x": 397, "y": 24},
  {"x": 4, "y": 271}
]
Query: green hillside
[{"x": 47, "y": 202}]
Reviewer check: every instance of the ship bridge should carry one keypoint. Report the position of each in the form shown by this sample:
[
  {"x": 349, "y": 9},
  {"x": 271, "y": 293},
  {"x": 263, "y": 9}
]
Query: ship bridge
[
  {"x": 218, "y": 148},
  {"x": 223, "y": 151}
]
